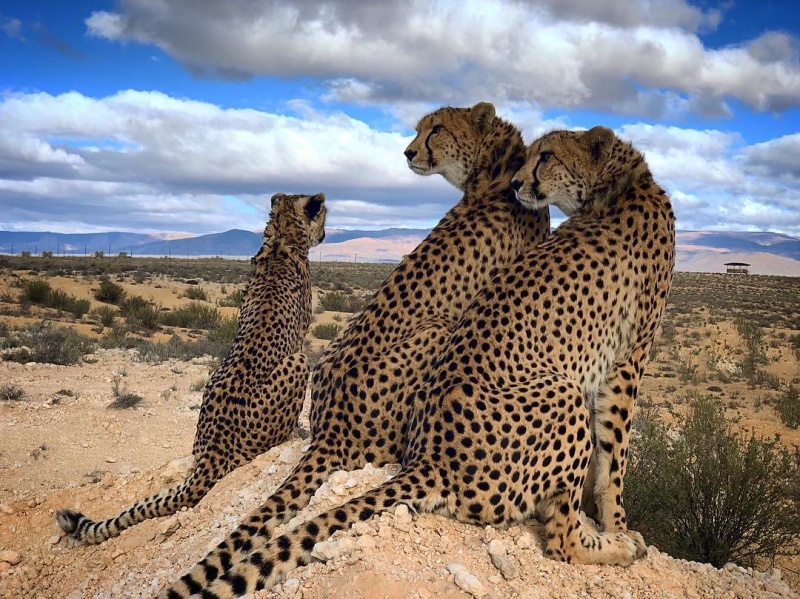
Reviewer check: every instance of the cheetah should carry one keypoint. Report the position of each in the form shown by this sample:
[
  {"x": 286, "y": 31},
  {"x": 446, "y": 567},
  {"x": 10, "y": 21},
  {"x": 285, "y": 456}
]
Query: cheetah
[
  {"x": 500, "y": 432},
  {"x": 253, "y": 399},
  {"x": 363, "y": 389}
]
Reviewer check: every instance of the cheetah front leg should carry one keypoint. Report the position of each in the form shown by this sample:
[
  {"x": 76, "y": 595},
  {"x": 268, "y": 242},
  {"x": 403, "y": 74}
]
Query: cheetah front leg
[{"x": 611, "y": 426}]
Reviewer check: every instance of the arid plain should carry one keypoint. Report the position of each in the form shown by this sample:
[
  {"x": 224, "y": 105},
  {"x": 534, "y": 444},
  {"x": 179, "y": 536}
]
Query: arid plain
[{"x": 62, "y": 446}]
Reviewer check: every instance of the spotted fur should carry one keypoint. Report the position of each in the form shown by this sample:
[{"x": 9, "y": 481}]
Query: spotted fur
[
  {"x": 500, "y": 431},
  {"x": 626, "y": 243},
  {"x": 365, "y": 386},
  {"x": 252, "y": 400}
]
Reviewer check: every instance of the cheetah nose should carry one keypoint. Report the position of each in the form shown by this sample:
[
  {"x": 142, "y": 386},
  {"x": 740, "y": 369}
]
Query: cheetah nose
[
  {"x": 516, "y": 184},
  {"x": 410, "y": 154}
]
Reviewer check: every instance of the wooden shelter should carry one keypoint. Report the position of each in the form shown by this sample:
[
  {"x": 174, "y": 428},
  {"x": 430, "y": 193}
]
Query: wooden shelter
[{"x": 737, "y": 268}]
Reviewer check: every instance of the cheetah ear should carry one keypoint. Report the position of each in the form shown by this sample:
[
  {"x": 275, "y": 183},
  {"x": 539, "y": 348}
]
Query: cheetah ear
[
  {"x": 481, "y": 115},
  {"x": 599, "y": 140},
  {"x": 276, "y": 197},
  {"x": 314, "y": 205}
]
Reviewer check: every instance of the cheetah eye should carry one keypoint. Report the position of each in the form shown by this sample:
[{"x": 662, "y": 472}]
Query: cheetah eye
[
  {"x": 436, "y": 128},
  {"x": 545, "y": 156}
]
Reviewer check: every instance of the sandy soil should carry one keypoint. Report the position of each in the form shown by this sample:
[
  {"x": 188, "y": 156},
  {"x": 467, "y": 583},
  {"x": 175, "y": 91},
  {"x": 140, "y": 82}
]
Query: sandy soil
[
  {"x": 61, "y": 449},
  {"x": 51, "y": 453}
]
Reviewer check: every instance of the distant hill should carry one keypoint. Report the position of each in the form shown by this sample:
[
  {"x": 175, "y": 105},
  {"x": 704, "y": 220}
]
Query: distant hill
[{"x": 700, "y": 251}]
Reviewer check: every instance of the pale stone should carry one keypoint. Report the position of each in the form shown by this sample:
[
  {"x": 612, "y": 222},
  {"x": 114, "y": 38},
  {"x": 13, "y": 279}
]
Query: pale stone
[
  {"x": 525, "y": 541},
  {"x": 12, "y": 557},
  {"x": 467, "y": 581}
]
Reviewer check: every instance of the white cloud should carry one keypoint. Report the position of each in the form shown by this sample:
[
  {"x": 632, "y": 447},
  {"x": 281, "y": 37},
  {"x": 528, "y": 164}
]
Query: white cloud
[
  {"x": 642, "y": 57},
  {"x": 144, "y": 159},
  {"x": 147, "y": 161}
]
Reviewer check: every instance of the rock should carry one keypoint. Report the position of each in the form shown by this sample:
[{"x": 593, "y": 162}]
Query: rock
[
  {"x": 467, "y": 581},
  {"x": 111, "y": 460},
  {"x": 4, "y": 509},
  {"x": 497, "y": 547},
  {"x": 328, "y": 550},
  {"x": 402, "y": 517},
  {"x": 177, "y": 470},
  {"x": 505, "y": 565},
  {"x": 525, "y": 541},
  {"x": 365, "y": 542},
  {"x": 53, "y": 540},
  {"x": 362, "y": 528},
  {"x": 11, "y": 557},
  {"x": 288, "y": 455},
  {"x": 290, "y": 587},
  {"x": 169, "y": 526},
  {"x": 402, "y": 513}
]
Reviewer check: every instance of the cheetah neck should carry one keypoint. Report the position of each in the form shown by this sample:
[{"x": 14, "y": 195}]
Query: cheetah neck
[
  {"x": 500, "y": 154},
  {"x": 624, "y": 168}
]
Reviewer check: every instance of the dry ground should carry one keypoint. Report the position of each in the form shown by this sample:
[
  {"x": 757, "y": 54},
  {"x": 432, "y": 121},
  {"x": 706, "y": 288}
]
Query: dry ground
[{"x": 68, "y": 450}]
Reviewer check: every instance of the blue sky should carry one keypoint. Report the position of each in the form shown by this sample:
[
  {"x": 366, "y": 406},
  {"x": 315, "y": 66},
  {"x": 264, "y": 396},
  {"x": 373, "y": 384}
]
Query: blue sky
[{"x": 186, "y": 115}]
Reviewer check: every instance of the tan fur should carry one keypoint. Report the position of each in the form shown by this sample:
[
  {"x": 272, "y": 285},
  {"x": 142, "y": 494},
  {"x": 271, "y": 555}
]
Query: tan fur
[
  {"x": 253, "y": 399},
  {"x": 365, "y": 388},
  {"x": 630, "y": 265},
  {"x": 540, "y": 372}
]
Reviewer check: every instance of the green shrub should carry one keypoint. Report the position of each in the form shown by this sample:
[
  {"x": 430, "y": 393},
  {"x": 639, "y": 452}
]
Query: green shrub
[
  {"x": 117, "y": 337},
  {"x": 327, "y": 331},
  {"x": 132, "y": 304},
  {"x": 193, "y": 315},
  {"x": 11, "y": 392},
  {"x": 106, "y": 315},
  {"x": 123, "y": 399},
  {"x": 224, "y": 332},
  {"x": 703, "y": 492},
  {"x": 110, "y": 293},
  {"x": 61, "y": 300},
  {"x": 233, "y": 299},
  {"x": 195, "y": 293},
  {"x": 141, "y": 314},
  {"x": 788, "y": 406},
  {"x": 337, "y": 301},
  {"x": 177, "y": 348},
  {"x": 36, "y": 291},
  {"x": 52, "y": 345}
]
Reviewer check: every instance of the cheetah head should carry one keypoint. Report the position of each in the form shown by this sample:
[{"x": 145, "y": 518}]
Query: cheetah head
[
  {"x": 294, "y": 220},
  {"x": 447, "y": 142},
  {"x": 563, "y": 168}
]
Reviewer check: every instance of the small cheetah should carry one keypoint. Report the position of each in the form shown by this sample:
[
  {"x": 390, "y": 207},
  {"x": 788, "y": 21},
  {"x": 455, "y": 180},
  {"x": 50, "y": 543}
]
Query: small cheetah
[
  {"x": 363, "y": 389},
  {"x": 253, "y": 399},
  {"x": 500, "y": 432}
]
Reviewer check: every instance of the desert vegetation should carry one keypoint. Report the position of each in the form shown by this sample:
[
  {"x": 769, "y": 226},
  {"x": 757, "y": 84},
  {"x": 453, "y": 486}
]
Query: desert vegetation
[{"x": 714, "y": 461}]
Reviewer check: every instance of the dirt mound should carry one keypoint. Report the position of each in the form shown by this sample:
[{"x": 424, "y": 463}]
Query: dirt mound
[{"x": 127, "y": 455}]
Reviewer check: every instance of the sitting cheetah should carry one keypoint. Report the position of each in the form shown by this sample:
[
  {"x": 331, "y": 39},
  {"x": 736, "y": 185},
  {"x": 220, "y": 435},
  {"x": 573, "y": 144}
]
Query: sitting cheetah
[
  {"x": 363, "y": 389},
  {"x": 500, "y": 432},
  {"x": 253, "y": 399}
]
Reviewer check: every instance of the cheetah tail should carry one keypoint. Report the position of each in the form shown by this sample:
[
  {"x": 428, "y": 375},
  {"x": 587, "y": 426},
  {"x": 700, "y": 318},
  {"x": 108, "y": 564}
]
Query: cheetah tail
[
  {"x": 294, "y": 493},
  {"x": 163, "y": 503},
  {"x": 265, "y": 567}
]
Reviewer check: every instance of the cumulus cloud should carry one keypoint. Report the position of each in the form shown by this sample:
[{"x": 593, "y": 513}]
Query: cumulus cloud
[
  {"x": 718, "y": 182},
  {"x": 146, "y": 161},
  {"x": 641, "y": 57}
]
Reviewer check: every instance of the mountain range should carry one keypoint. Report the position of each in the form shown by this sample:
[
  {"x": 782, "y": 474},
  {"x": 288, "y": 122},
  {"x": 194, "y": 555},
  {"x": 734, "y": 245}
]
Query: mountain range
[{"x": 699, "y": 251}]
